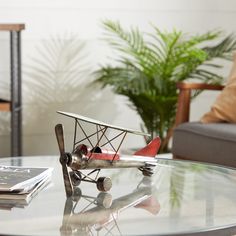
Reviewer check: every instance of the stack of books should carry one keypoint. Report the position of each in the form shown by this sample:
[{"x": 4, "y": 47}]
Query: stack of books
[{"x": 19, "y": 185}]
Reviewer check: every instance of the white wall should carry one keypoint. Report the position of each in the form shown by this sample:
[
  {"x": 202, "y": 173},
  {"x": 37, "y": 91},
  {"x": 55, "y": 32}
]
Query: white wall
[{"x": 49, "y": 26}]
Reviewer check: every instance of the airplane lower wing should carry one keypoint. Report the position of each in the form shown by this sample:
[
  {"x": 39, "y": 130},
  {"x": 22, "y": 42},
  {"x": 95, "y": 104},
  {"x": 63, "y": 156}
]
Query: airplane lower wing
[{"x": 138, "y": 158}]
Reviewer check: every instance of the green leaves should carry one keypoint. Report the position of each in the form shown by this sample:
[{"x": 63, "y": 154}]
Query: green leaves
[{"x": 150, "y": 64}]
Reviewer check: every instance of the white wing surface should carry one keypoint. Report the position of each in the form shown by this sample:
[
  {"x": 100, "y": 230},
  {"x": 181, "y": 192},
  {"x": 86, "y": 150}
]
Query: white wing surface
[{"x": 96, "y": 122}]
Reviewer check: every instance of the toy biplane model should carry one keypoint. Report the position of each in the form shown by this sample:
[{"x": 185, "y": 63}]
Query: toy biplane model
[{"x": 88, "y": 154}]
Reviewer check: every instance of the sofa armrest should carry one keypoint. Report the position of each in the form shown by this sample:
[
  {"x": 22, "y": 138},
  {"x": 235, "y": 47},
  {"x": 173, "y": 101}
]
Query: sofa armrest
[{"x": 184, "y": 97}]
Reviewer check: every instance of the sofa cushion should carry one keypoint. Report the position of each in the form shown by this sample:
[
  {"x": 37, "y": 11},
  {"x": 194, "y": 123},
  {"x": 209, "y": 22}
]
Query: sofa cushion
[
  {"x": 214, "y": 142},
  {"x": 223, "y": 109}
]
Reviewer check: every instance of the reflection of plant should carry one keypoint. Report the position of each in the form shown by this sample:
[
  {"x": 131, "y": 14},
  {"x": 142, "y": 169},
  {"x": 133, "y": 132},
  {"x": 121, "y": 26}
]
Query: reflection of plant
[
  {"x": 178, "y": 181},
  {"x": 56, "y": 78},
  {"x": 58, "y": 72},
  {"x": 148, "y": 70},
  {"x": 176, "y": 189}
]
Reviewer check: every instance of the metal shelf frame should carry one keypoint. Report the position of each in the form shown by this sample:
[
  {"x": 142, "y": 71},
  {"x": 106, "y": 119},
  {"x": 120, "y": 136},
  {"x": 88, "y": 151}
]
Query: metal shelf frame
[{"x": 16, "y": 98}]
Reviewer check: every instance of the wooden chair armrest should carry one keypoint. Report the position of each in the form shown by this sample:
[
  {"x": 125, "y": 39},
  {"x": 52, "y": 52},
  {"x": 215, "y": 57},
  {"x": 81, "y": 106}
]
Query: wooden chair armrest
[
  {"x": 199, "y": 86},
  {"x": 183, "y": 103}
]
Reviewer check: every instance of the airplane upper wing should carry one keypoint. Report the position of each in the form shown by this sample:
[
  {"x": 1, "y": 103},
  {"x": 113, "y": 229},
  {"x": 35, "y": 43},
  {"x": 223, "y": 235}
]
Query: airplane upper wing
[{"x": 96, "y": 122}]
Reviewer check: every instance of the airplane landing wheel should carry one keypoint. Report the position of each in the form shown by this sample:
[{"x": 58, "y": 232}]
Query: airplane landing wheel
[
  {"x": 104, "y": 184},
  {"x": 147, "y": 180},
  {"x": 147, "y": 173},
  {"x": 104, "y": 199},
  {"x": 75, "y": 177},
  {"x": 77, "y": 193}
]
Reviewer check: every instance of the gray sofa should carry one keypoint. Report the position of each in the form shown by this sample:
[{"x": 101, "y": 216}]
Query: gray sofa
[{"x": 212, "y": 143}]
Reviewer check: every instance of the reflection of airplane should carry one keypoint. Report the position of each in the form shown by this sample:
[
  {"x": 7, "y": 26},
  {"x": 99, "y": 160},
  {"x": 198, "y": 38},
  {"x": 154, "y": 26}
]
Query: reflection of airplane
[
  {"x": 103, "y": 217},
  {"x": 92, "y": 155}
]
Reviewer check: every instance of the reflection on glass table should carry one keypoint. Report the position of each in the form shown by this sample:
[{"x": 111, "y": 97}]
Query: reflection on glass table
[
  {"x": 181, "y": 198},
  {"x": 98, "y": 215}
]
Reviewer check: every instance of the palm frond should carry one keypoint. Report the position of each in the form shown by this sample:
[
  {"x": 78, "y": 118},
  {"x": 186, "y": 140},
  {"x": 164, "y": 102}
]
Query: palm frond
[{"x": 223, "y": 49}]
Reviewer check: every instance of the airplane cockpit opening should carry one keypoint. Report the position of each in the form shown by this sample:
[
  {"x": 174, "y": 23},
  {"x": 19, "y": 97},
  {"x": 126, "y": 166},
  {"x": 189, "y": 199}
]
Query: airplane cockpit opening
[{"x": 96, "y": 150}]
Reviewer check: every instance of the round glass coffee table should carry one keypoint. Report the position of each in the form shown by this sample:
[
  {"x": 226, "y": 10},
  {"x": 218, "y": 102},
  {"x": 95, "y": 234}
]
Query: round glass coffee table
[{"x": 181, "y": 198}]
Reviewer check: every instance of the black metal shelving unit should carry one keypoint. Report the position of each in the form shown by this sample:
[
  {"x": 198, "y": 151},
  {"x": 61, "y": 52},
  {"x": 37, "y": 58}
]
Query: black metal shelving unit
[{"x": 15, "y": 104}]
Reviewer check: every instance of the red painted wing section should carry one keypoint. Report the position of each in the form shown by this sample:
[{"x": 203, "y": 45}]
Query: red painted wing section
[
  {"x": 151, "y": 205},
  {"x": 151, "y": 149}
]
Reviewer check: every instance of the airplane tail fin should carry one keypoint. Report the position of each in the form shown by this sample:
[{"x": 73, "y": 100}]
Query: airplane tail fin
[
  {"x": 151, "y": 149},
  {"x": 150, "y": 204}
]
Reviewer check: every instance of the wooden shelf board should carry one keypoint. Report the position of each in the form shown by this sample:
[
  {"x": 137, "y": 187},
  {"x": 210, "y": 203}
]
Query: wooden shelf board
[
  {"x": 12, "y": 27},
  {"x": 5, "y": 105}
]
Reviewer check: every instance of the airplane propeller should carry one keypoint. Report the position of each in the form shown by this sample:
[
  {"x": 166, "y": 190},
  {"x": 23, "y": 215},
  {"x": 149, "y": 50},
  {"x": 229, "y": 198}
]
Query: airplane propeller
[
  {"x": 64, "y": 158},
  {"x": 60, "y": 138}
]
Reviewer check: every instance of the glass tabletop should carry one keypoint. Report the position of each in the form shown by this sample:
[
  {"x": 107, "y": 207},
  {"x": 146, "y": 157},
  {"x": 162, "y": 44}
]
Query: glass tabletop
[{"x": 181, "y": 198}]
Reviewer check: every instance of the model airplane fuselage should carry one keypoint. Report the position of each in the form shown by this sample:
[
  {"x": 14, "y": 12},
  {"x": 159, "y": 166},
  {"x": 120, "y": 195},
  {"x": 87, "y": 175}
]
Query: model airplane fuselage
[{"x": 95, "y": 157}]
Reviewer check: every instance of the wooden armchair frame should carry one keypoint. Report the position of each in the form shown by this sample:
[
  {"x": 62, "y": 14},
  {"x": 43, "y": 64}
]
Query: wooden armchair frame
[
  {"x": 183, "y": 103},
  {"x": 184, "y": 97}
]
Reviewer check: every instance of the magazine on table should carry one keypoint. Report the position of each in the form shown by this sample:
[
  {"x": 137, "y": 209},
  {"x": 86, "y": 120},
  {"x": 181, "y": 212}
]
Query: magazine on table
[
  {"x": 20, "y": 200},
  {"x": 18, "y": 178},
  {"x": 19, "y": 185}
]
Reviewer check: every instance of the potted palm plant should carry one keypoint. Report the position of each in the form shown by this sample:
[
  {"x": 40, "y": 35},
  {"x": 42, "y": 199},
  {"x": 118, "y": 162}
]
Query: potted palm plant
[{"x": 149, "y": 65}]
